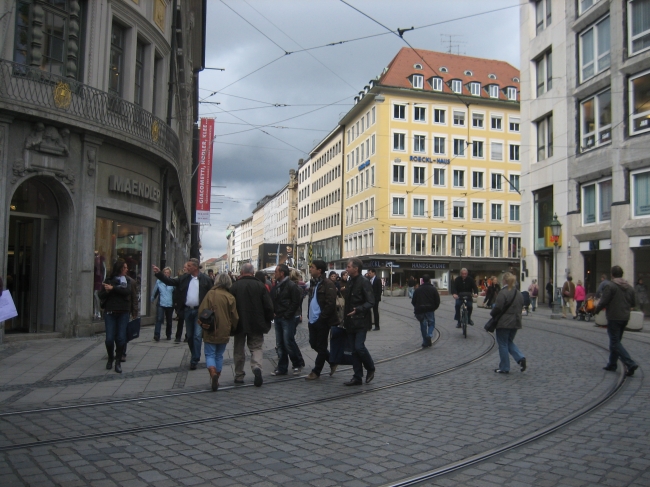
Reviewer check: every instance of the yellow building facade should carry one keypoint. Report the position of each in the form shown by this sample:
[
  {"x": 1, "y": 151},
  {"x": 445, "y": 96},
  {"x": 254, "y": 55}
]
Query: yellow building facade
[{"x": 431, "y": 169}]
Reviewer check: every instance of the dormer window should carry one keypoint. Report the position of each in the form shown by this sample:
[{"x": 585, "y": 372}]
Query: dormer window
[
  {"x": 512, "y": 93},
  {"x": 492, "y": 76},
  {"x": 468, "y": 73},
  {"x": 515, "y": 79},
  {"x": 417, "y": 80},
  {"x": 443, "y": 69},
  {"x": 417, "y": 66},
  {"x": 436, "y": 84},
  {"x": 494, "y": 91},
  {"x": 456, "y": 86},
  {"x": 475, "y": 88}
]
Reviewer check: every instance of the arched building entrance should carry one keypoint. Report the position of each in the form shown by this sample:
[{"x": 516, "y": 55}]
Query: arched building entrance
[{"x": 33, "y": 256}]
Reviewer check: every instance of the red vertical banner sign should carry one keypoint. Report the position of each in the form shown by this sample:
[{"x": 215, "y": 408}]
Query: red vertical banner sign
[{"x": 204, "y": 179}]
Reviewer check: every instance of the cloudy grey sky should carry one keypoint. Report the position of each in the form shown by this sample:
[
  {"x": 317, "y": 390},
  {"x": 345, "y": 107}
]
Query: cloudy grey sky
[{"x": 316, "y": 87}]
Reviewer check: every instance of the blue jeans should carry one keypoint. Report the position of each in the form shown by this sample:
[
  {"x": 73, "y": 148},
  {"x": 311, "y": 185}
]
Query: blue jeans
[
  {"x": 470, "y": 306},
  {"x": 505, "y": 337},
  {"x": 410, "y": 291},
  {"x": 360, "y": 355},
  {"x": 115, "y": 330},
  {"x": 427, "y": 325},
  {"x": 194, "y": 333},
  {"x": 285, "y": 341},
  {"x": 163, "y": 314},
  {"x": 214, "y": 355},
  {"x": 615, "y": 331}
]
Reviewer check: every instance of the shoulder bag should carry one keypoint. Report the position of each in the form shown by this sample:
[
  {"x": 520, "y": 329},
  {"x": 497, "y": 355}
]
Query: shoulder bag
[
  {"x": 491, "y": 325},
  {"x": 207, "y": 320}
]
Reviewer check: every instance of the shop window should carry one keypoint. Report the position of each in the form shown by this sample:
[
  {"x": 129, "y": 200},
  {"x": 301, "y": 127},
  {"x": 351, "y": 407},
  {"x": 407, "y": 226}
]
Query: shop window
[{"x": 115, "y": 239}]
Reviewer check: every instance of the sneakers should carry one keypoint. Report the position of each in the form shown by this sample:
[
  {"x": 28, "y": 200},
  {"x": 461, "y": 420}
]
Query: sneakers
[
  {"x": 630, "y": 370},
  {"x": 471, "y": 322},
  {"x": 297, "y": 370},
  {"x": 311, "y": 376},
  {"x": 277, "y": 372},
  {"x": 333, "y": 369},
  {"x": 522, "y": 363},
  {"x": 239, "y": 381},
  {"x": 499, "y": 371},
  {"x": 258, "y": 381}
]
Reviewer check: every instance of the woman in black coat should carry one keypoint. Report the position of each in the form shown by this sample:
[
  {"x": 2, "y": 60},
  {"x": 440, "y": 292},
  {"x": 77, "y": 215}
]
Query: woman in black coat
[{"x": 116, "y": 299}]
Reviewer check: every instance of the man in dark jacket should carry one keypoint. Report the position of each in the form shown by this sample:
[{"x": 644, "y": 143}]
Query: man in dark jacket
[
  {"x": 376, "y": 290},
  {"x": 464, "y": 287},
  {"x": 193, "y": 286},
  {"x": 426, "y": 301},
  {"x": 618, "y": 300},
  {"x": 359, "y": 300},
  {"x": 322, "y": 315},
  {"x": 286, "y": 297},
  {"x": 255, "y": 311}
]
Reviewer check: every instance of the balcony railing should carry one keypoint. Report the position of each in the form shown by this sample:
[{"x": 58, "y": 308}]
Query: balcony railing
[{"x": 26, "y": 85}]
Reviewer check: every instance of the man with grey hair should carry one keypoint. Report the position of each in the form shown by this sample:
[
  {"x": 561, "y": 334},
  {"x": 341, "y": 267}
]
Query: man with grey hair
[
  {"x": 255, "y": 311},
  {"x": 192, "y": 287}
]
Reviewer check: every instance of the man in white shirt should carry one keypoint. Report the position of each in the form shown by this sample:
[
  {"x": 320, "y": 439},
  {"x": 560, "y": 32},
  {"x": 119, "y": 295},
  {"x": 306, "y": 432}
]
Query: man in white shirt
[{"x": 193, "y": 286}]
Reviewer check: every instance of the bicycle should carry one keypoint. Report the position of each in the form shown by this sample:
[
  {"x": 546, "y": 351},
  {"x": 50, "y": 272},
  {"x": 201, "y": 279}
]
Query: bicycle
[{"x": 464, "y": 316}]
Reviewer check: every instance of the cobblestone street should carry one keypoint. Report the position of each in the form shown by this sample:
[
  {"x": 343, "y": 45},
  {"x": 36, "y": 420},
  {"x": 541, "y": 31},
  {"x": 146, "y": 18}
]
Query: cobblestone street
[{"x": 65, "y": 420}]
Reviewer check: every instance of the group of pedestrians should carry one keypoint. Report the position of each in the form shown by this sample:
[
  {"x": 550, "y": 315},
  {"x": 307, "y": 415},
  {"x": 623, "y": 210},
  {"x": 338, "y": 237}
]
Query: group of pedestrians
[{"x": 247, "y": 308}]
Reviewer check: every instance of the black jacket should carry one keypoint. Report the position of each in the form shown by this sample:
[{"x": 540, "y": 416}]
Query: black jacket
[
  {"x": 359, "y": 296},
  {"x": 254, "y": 305},
  {"x": 464, "y": 287},
  {"x": 326, "y": 298},
  {"x": 377, "y": 288},
  {"x": 618, "y": 299},
  {"x": 425, "y": 299},
  {"x": 286, "y": 297},
  {"x": 183, "y": 282},
  {"x": 118, "y": 299}
]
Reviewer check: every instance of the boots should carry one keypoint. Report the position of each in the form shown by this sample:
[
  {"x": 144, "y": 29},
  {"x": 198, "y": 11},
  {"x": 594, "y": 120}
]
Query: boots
[
  {"x": 118, "y": 362},
  {"x": 111, "y": 357},
  {"x": 214, "y": 378}
]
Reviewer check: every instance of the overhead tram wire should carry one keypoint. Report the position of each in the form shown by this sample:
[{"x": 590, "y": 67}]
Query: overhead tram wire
[
  {"x": 337, "y": 43},
  {"x": 297, "y": 43},
  {"x": 283, "y": 120}
]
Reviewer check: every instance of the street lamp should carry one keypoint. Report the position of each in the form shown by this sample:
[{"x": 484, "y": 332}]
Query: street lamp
[
  {"x": 556, "y": 228},
  {"x": 460, "y": 245}
]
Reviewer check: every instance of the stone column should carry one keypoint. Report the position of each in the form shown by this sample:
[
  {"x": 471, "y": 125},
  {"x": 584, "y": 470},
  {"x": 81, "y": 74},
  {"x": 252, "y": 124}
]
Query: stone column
[{"x": 86, "y": 235}]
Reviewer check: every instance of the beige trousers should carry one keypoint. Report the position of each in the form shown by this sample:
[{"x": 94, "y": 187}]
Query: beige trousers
[
  {"x": 255, "y": 344},
  {"x": 571, "y": 304}
]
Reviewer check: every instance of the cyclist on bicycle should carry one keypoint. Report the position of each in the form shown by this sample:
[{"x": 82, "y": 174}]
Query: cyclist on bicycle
[{"x": 464, "y": 287}]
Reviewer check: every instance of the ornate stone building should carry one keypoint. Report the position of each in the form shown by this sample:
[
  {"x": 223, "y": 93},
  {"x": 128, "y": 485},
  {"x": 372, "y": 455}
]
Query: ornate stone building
[{"x": 98, "y": 106}]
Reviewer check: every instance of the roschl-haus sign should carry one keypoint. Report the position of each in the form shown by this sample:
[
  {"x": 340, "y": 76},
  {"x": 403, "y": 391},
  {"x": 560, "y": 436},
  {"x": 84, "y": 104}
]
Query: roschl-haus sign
[
  {"x": 134, "y": 188},
  {"x": 439, "y": 160}
]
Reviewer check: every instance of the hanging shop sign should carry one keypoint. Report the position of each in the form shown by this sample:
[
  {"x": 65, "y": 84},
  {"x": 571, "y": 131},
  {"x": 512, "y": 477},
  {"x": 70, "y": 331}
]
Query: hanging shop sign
[{"x": 204, "y": 179}]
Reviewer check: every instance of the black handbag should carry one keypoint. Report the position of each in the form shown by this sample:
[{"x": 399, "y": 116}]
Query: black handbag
[
  {"x": 492, "y": 323},
  {"x": 207, "y": 319},
  {"x": 133, "y": 329}
]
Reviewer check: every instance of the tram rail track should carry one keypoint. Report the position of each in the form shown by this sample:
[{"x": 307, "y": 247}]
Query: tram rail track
[
  {"x": 256, "y": 412},
  {"x": 193, "y": 392},
  {"x": 525, "y": 439}
]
